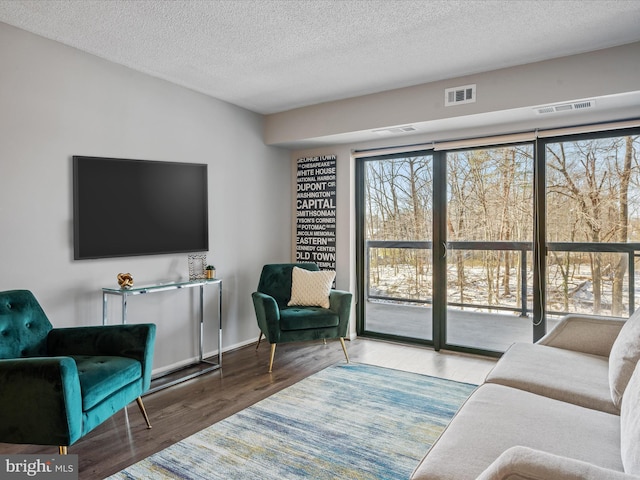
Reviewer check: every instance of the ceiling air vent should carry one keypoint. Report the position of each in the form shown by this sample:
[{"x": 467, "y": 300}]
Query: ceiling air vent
[
  {"x": 459, "y": 95},
  {"x": 565, "y": 107},
  {"x": 581, "y": 105},
  {"x": 396, "y": 130}
]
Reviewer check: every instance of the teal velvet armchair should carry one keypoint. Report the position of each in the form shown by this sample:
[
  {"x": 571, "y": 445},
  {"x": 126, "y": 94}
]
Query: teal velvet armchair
[
  {"x": 281, "y": 323},
  {"x": 58, "y": 384}
]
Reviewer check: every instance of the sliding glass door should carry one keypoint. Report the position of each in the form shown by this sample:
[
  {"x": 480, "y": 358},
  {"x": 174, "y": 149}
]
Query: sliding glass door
[
  {"x": 483, "y": 249},
  {"x": 489, "y": 247},
  {"x": 396, "y": 245},
  {"x": 475, "y": 249}
]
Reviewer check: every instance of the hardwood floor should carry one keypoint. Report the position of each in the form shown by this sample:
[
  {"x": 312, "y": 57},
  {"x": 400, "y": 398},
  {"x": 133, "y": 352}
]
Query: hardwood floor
[{"x": 184, "y": 409}]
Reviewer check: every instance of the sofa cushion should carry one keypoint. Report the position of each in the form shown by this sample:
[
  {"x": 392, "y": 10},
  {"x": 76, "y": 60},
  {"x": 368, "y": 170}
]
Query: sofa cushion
[
  {"x": 295, "y": 318},
  {"x": 630, "y": 425},
  {"x": 574, "y": 377},
  {"x": 102, "y": 376},
  {"x": 624, "y": 356},
  {"x": 311, "y": 289},
  {"x": 497, "y": 417}
]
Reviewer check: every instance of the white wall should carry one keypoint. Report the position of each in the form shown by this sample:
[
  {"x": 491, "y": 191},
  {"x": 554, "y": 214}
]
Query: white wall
[{"x": 56, "y": 102}]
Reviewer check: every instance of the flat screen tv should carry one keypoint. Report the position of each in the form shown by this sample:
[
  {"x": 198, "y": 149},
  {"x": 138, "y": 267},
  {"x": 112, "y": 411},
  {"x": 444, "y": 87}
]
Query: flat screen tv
[{"x": 126, "y": 207}]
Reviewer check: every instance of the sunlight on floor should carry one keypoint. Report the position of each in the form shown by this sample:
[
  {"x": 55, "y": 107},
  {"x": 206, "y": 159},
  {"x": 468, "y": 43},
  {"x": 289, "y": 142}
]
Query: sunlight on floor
[{"x": 424, "y": 360}]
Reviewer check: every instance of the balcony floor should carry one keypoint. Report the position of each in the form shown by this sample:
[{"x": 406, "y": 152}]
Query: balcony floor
[{"x": 494, "y": 331}]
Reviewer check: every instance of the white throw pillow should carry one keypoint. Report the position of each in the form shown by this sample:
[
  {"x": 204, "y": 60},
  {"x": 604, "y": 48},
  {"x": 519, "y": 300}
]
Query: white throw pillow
[
  {"x": 630, "y": 425},
  {"x": 623, "y": 358},
  {"x": 311, "y": 289}
]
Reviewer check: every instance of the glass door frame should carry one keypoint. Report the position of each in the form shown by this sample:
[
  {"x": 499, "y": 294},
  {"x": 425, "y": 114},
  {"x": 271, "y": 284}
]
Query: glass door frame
[
  {"x": 361, "y": 254},
  {"x": 439, "y": 262},
  {"x": 541, "y": 247},
  {"x": 440, "y": 243},
  {"x": 439, "y": 252},
  {"x": 439, "y": 314}
]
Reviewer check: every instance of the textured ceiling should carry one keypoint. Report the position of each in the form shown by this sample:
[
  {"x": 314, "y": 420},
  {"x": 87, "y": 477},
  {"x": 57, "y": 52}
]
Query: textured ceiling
[{"x": 274, "y": 55}]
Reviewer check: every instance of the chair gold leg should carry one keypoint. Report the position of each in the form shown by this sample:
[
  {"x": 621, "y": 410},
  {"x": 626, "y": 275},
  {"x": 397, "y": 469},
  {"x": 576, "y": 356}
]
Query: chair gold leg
[
  {"x": 259, "y": 338},
  {"x": 273, "y": 354},
  {"x": 62, "y": 449},
  {"x": 144, "y": 412},
  {"x": 344, "y": 349}
]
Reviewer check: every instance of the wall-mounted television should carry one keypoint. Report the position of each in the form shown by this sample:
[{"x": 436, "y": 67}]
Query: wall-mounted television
[{"x": 125, "y": 207}]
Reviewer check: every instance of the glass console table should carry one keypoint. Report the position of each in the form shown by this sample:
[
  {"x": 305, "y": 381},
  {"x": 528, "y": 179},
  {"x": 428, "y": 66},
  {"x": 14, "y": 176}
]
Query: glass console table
[{"x": 202, "y": 365}]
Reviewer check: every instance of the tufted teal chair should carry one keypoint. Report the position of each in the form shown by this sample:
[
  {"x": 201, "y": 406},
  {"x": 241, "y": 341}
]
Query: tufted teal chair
[
  {"x": 280, "y": 323},
  {"x": 58, "y": 384}
]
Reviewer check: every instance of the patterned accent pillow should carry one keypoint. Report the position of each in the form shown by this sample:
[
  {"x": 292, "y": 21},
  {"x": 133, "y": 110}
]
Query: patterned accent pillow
[{"x": 311, "y": 289}]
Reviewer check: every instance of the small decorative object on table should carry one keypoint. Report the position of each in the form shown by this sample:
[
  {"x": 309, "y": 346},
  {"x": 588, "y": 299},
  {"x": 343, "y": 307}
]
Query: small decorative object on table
[
  {"x": 125, "y": 280},
  {"x": 211, "y": 271},
  {"x": 197, "y": 263}
]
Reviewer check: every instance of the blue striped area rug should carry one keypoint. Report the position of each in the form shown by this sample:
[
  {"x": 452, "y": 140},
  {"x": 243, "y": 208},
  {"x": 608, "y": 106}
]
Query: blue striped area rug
[{"x": 349, "y": 421}]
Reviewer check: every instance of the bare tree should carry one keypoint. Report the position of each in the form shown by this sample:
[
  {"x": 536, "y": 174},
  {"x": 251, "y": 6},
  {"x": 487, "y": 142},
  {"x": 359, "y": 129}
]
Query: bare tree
[
  {"x": 622, "y": 228},
  {"x": 593, "y": 195},
  {"x": 596, "y": 177}
]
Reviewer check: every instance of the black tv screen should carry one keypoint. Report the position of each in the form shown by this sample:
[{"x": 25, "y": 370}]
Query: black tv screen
[{"x": 138, "y": 207}]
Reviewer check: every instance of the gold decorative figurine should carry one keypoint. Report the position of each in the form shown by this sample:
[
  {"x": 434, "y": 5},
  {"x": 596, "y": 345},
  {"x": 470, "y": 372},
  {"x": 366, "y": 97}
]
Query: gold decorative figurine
[{"x": 125, "y": 280}]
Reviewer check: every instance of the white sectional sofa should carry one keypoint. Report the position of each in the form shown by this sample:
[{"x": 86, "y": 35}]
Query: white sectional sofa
[{"x": 567, "y": 407}]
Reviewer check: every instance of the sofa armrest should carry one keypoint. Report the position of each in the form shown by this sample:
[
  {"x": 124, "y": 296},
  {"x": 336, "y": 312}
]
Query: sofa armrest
[
  {"x": 267, "y": 315},
  {"x": 40, "y": 401},
  {"x": 587, "y": 334},
  {"x": 340, "y": 302},
  {"x": 135, "y": 341},
  {"x": 523, "y": 463}
]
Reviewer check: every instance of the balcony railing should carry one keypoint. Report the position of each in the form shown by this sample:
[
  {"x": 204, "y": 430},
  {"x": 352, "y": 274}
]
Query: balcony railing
[{"x": 630, "y": 249}]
